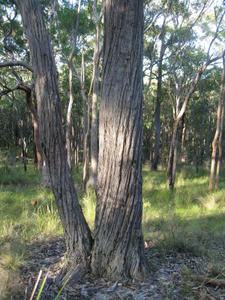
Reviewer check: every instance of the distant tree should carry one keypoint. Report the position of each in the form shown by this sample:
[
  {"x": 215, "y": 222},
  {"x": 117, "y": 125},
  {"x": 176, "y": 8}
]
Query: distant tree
[{"x": 217, "y": 141}]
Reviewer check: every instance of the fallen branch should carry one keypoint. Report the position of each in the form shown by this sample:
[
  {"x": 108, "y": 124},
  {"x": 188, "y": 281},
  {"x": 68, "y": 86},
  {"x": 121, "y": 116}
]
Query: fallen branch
[{"x": 211, "y": 281}]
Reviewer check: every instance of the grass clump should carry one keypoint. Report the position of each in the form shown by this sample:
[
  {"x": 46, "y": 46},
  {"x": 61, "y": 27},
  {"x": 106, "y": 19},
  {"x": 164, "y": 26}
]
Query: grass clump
[{"x": 189, "y": 219}]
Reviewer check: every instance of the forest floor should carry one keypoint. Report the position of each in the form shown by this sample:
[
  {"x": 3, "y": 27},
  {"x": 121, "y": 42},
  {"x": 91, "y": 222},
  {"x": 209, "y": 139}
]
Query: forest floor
[{"x": 184, "y": 233}]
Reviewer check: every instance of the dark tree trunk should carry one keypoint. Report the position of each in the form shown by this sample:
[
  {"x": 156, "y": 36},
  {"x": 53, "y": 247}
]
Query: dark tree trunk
[
  {"x": 196, "y": 151},
  {"x": 77, "y": 234},
  {"x": 172, "y": 161},
  {"x": 118, "y": 246}
]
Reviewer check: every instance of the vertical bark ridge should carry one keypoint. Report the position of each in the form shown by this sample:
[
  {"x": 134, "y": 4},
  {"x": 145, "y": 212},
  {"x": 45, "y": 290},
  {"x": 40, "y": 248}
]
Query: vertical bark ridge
[
  {"x": 77, "y": 233},
  {"x": 118, "y": 248}
]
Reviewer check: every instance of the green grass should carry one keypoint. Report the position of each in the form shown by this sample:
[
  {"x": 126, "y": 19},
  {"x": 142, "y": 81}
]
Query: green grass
[{"x": 188, "y": 219}]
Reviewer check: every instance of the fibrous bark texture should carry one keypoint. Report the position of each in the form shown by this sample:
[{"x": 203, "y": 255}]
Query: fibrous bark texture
[
  {"x": 118, "y": 247},
  {"x": 77, "y": 234}
]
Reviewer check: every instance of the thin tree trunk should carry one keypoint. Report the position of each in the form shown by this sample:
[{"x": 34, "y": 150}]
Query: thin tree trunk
[
  {"x": 157, "y": 110},
  {"x": 45, "y": 175},
  {"x": 94, "y": 120},
  {"x": 69, "y": 122},
  {"x": 172, "y": 161},
  {"x": 196, "y": 151},
  {"x": 35, "y": 126},
  {"x": 23, "y": 145},
  {"x": 184, "y": 129},
  {"x": 118, "y": 248},
  {"x": 35, "y": 153},
  {"x": 69, "y": 119},
  {"x": 217, "y": 134},
  {"x": 220, "y": 149},
  {"x": 77, "y": 234},
  {"x": 86, "y": 123}
]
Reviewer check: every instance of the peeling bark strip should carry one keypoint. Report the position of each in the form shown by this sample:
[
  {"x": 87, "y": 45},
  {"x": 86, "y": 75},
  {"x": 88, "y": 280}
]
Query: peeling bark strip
[
  {"x": 77, "y": 234},
  {"x": 118, "y": 246}
]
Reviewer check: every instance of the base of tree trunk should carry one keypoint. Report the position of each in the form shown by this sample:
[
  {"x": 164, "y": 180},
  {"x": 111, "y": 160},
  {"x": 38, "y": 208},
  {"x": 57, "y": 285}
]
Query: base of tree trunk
[
  {"x": 120, "y": 264},
  {"x": 71, "y": 270}
]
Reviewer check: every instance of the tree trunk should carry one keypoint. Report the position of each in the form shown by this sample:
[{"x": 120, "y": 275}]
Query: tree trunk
[
  {"x": 184, "y": 129},
  {"x": 157, "y": 110},
  {"x": 69, "y": 122},
  {"x": 86, "y": 123},
  {"x": 196, "y": 151},
  {"x": 172, "y": 161},
  {"x": 77, "y": 234},
  {"x": 217, "y": 133},
  {"x": 69, "y": 119},
  {"x": 94, "y": 120},
  {"x": 118, "y": 246},
  {"x": 23, "y": 145},
  {"x": 222, "y": 95},
  {"x": 35, "y": 126}
]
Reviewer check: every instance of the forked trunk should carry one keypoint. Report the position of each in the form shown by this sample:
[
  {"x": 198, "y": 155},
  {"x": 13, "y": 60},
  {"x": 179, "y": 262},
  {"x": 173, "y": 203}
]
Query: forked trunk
[{"x": 118, "y": 246}]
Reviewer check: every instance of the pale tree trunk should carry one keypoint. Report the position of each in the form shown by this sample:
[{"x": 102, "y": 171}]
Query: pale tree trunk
[
  {"x": 69, "y": 122},
  {"x": 86, "y": 123},
  {"x": 23, "y": 145},
  {"x": 220, "y": 140},
  {"x": 158, "y": 104},
  {"x": 220, "y": 149},
  {"x": 35, "y": 126},
  {"x": 217, "y": 134},
  {"x": 172, "y": 161},
  {"x": 45, "y": 175},
  {"x": 77, "y": 234},
  {"x": 183, "y": 154},
  {"x": 118, "y": 247},
  {"x": 94, "y": 113}
]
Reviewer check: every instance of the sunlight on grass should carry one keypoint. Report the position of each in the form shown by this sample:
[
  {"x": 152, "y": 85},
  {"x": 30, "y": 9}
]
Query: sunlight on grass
[
  {"x": 88, "y": 204},
  {"x": 189, "y": 219}
]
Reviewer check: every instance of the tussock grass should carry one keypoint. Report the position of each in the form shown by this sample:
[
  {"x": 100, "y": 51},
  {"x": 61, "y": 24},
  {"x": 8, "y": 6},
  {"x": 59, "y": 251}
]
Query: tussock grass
[{"x": 188, "y": 219}]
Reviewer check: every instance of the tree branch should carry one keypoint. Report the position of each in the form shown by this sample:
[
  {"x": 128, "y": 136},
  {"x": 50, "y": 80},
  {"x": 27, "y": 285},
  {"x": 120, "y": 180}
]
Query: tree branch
[{"x": 16, "y": 63}]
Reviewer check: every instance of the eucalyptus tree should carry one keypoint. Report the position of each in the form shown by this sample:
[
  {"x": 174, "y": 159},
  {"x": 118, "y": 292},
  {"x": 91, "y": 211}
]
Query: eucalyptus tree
[
  {"x": 184, "y": 80},
  {"x": 118, "y": 230},
  {"x": 217, "y": 140}
]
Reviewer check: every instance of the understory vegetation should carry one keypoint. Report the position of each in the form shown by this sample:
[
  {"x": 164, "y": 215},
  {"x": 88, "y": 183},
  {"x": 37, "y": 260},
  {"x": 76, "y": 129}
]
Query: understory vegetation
[{"x": 189, "y": 219}]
